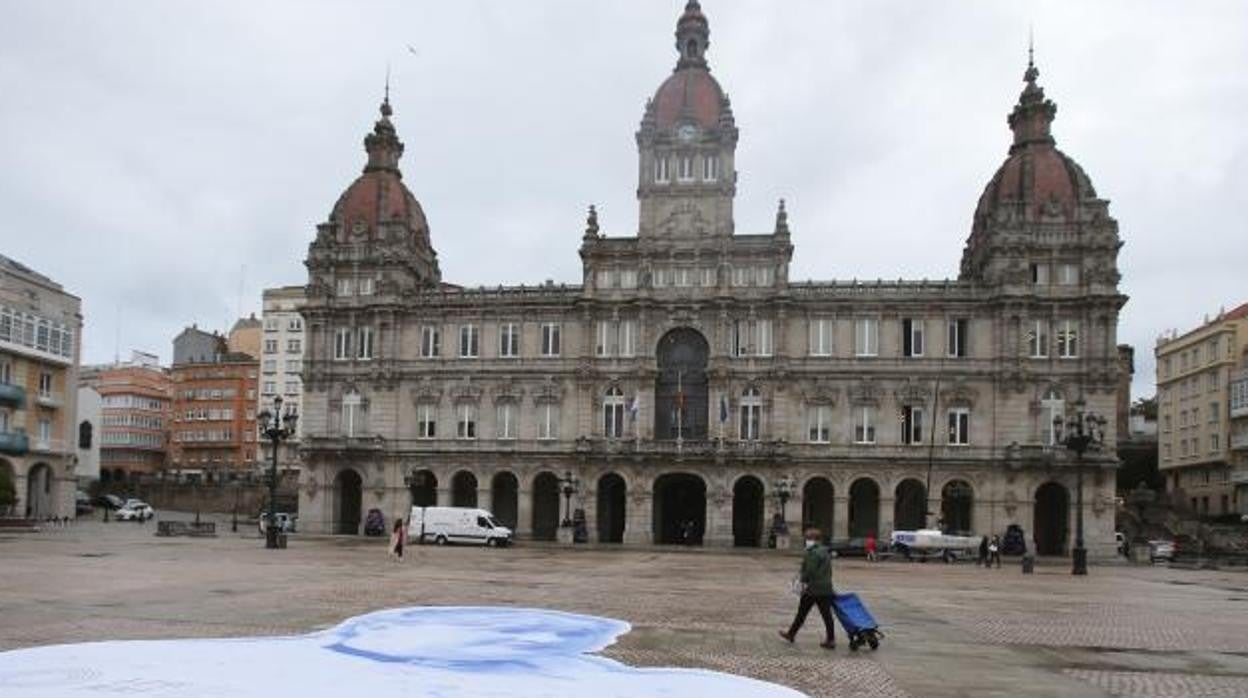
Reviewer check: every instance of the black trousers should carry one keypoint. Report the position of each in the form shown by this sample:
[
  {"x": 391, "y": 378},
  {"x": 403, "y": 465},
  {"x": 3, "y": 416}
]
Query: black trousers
[{"x": 824, "y": 604}]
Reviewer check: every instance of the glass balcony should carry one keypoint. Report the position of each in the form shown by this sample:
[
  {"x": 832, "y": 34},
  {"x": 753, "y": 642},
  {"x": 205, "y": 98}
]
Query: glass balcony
[
  {"x": 12, "y": 395},
  {"x": 14, "y": 443}
]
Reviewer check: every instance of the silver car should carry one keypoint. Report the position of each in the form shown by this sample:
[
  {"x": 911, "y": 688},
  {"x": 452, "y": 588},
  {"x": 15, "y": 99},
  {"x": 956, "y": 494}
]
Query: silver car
[{"x": 1160, "y": 550}]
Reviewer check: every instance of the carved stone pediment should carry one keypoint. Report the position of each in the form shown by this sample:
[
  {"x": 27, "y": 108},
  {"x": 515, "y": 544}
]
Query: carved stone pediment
[
  {"x": 465, "y": 391},
  {"x": 548, "y": 391},
  {"x": 507, "y": 390},
  {"x": 865, "y": 392},
  {"x": 912, "y": 393},
  {"x": 819, "y": 392},
  {"x": 959, "y": 394},
  {"x": 426, "y": 392}
]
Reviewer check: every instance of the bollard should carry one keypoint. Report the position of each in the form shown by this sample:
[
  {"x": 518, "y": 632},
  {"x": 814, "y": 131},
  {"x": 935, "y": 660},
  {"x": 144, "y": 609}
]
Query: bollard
[{"x": 1029, "y": 564}]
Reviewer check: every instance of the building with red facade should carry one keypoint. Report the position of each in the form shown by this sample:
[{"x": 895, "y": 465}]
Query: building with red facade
[
  {"x": 135, "y": 403},
  {"x": 213, "y": 426}
]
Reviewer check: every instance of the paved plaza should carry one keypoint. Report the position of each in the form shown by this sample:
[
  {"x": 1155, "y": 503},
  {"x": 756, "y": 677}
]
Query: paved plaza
[{"x": 951, "y": 630}]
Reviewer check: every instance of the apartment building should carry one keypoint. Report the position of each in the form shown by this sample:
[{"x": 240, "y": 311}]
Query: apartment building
[
  {"x": 281, "y": 361},
  {"x": 1238, "y": 410},
  {"x": 136, "y": 399},
  {"x": 213, "y": 422}
]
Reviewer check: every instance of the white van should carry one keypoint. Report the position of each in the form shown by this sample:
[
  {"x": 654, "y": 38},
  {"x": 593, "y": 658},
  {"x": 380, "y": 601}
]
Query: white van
[{"x": 444, "y": 525}]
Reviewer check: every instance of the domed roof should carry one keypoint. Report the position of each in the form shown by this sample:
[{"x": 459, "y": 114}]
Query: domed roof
[
  {"x": 689, "y": 93},
  {"x": 378, "y": 195},
  {"x": 1036, "y": 176}
]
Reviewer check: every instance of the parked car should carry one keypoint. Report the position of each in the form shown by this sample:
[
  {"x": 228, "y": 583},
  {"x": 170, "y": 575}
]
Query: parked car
[
  {"x": 374, "y": 523},
  {"x": 286, "y": 521},
  {"x": 82, "y": 503},
  {"x": 849, "y": 547},
  {"x": 135, "y": 510},
  {"x": 1160, "y": 550},
  {"x": 110, "y": 501}
]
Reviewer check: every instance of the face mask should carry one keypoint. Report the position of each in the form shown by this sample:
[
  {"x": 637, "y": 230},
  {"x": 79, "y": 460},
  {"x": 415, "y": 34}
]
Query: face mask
[{"x": 810, "y": 544}]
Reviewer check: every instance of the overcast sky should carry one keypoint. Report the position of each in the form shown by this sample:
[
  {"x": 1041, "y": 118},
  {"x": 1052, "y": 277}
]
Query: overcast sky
[{"x": 156, "y": 157}]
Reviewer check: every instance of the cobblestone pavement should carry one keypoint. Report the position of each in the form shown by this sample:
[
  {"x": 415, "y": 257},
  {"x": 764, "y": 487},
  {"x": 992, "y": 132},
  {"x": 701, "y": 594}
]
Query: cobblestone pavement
[{"x": 951, "y": 630}]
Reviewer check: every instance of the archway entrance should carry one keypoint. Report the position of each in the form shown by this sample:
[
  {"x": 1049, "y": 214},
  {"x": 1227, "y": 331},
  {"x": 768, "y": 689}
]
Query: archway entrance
[
  {"x": 424, "y": 489},
  {"x": 679, "y": 509},
  {"x": 545, "y": 506},
  {"x": 611, "y": 508},
  {"x": 39, "y": 491},
  {"x": 505, "y": 498},
  {"x": 1052, "y": 510},
  {"x": 348, "y": 496},
  {"x": 680, "y": 390},
  {"x": 818, "y": 498},
  {"x": 747, "y": 512},
  {"x": 464, "y": 489},
  {"x": 864, "y": 508},
  {"x": 956, "y": 500},
  {"x": 910, "y": 506},
  {"x": 8, "y": 488}
]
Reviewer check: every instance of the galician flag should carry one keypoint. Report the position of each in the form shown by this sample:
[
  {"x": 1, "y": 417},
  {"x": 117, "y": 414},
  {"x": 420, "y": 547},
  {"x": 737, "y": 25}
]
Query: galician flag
[{"x": 723, "y": 408}]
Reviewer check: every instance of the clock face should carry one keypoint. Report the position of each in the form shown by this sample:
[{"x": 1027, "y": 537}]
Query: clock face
[{"x": 687, "y": 132}]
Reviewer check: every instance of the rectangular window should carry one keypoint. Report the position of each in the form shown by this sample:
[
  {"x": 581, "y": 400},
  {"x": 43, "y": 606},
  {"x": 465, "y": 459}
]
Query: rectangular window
[
  {"x": 1214, "y": 443},
  {"x": 344, "y": 287},
  {"x": 763, "y": 276},
  {"x": 366, "y": 287},
  {"x": 294, "y": 346},
  {"x": 295, "y": 325},
  {"x": 1215, "y": 412},
  {"x": 1068, "y": 339},
  {"x": 509, "y": 340},
  {"x": 957, "y": 337},
  {"x": 548, "y": 421},
  {"x": 45, "y": 430},
  {"x": 742, "y": 276},
  {"x": 1038, "y": 339},
  {"x": 686, "y": 169},
  {"x": 661, "y": 174},
  {"x": 270, "y": 365},
  {"x": 763, "y": 335},
  {"x": 466, "y": 424},
  {"x": 613, "y": 417},
  {"x": 41, "y": 338},
  {"x": 550, "y": 339},
  {"x": 45, "y": 384},
  {"x": 1067, "y": 274},
  {"x": 740, "y": 338},
  {"x": 911, "y": 425},
  {"x": 864, "y": 425},
  {"x": 959, "y": 426},
  {"x": 430, "y": 342},
  {"x": 469, "y": 341},
  {"x": 821, "y": 337},
  {"x": 628, "y": 338},
  {"x": 605, "y": 336},
  {"x": 505, "y": 424},
  {"x": 342, "y": 343},
  {"x": 426, "y": 421},
  {"x": 818, "y": 424},
  {"x": 866, "y": 337},
  {"x": 628, "y": 278},
  {"x": 270, "y": 346},
  {"x": 1040, "y": 274},
  {"x": 365, "y": 342},
  {"x": 710, "y": 168},
  {"x": 911, "y": 337},
  {"x": 751, "y": 413},
  {"x": 606, "y": 278}
]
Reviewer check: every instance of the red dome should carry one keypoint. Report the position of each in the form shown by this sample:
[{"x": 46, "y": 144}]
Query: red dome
[
  {"x": 377, "y": 196},
  {"x": 689, "y": 92},
  {"x": 1043, "y": 177}
]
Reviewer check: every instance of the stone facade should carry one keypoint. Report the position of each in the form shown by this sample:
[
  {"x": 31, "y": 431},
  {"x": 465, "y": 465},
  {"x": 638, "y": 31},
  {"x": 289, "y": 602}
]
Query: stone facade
[{"x": 687, "y": 389}]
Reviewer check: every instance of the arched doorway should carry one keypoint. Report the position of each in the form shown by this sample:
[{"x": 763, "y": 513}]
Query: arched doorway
[
  {"x": 679, "y": 509},
  {"x": 680, "y": 390},
  {"x": 910, "y": 506},
  {"x": 505, "y": 498},
  {"x": 864, "y": 508},
  {"x": 1052, "y": 510},
  {"x": 464, "y": 489},
  {"x": 424, "y": 488},
  {"x": 8, "y": 488},
  {"x": 39, "y": 491},
  {"x": 956, "y": 500},
  {"x": 545, "y": 506},
  {"x": 818, "y": 498},
  {"x": 348, "y": 497},
  {"x": 611, "y": 508},
  {"x": 747, "y": 512}
]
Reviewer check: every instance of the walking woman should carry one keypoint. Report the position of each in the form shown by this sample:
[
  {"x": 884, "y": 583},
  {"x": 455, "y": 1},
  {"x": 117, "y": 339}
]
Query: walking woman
[
  {"x": 397, "y": 538},
  {"x": 816, "y": 579}
]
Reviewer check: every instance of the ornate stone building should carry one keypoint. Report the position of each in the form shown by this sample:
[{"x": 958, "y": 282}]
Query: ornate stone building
[{"x": 687, "y": 380}]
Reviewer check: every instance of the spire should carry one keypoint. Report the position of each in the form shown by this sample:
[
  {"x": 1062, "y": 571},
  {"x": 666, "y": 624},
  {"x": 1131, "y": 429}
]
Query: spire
[
  {"x": 693, "y": 35},
  {"x": 1033, "y": 115},
  {"x": 383, "y": 144},
  {"x": 782, "y": 220},
  {"x": 591, "y": 224}
]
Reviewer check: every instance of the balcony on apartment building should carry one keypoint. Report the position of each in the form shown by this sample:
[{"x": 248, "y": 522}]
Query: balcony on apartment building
[
  {"x": 12, "y": 396},
  {"x": 50, "y": 400},
  {"x": 14, "y": 443},
  {"x": 1239, "y": 440}
]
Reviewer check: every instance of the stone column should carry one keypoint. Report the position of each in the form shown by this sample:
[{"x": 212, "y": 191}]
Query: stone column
[
  {"x": 444, "y": 496},
  {"x": 840, "y": 515},
  {"x": 524, "y": 513},
  {"x": 933, "y": 505},
  {"x": 639, "y": 518},
  {"x": 485, "y": 499},
  {"x": 588, "y": 500},
  {"x": 718, "y": 532},
  {"x": 888, "y": 508}
]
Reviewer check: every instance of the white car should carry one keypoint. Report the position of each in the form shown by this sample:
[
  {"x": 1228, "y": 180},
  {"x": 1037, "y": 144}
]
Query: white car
[
  {"x": 135, "y": 509},
  {"x": 285, "y": 522}
]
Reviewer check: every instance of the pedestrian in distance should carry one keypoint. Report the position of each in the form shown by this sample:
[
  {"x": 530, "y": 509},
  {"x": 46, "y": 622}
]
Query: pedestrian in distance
[
  {"x": 869, "y": 545},
  {"x": 982, "y": 560},
  {"x": 397, "y": 538},
  {"x": 815, "y": 578},
  {"x": 994, "y": 551}
]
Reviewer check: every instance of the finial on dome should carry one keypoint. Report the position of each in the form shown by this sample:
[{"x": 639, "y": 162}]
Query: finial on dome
[
  {"x": 591, "y": 223},
  {"x": 782, "y": 220},
  {"x": 1031, "y": 73},
  {"x": 1033, "y": 115},
  {"x": 693, "y": 35},
  {"x": 386, "y": 111}
]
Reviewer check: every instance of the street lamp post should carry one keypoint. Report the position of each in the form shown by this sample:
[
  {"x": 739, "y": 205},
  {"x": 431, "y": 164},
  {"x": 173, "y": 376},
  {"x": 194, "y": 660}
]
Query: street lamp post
[
  {"x": 1080, "y": 433},
  {"x": 276, "y": 426},
  {"x": 569, "y": 486},
  {"x": 784, "y": 491}
]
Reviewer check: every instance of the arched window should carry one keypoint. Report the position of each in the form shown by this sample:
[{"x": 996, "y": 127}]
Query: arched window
[
  {"x": 84, "y": 435},
  {"x": 613, "y": 413},
  {"x": 1052, "y": 407},
  {"x": 751, "y": 413}
]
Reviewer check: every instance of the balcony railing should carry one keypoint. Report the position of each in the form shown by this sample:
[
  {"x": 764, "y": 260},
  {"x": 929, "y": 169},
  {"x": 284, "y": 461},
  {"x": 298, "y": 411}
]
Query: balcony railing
[
  {"x": 1239, "y": 441},
  {"x": 1239, "y": 477},
  {"x": 12, "y": 395},
  {"x": 14, "y": 443},
  {"x": 49, "y": 400},
  {"x": 48, "y": 445}
]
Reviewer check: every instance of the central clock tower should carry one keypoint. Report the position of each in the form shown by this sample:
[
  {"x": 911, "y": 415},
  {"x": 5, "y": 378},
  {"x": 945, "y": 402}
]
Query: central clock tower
[{"x": 686, "y": 146}]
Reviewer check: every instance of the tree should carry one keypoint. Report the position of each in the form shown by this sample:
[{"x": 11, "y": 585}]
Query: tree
[{"x": 1146, "y": 406}]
